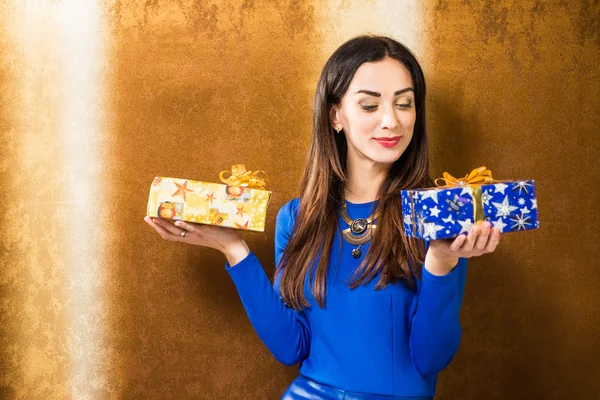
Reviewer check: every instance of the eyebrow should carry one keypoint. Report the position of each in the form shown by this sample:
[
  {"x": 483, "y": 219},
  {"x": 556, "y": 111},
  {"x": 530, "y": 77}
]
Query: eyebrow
[{"x": 376, "y": 94}]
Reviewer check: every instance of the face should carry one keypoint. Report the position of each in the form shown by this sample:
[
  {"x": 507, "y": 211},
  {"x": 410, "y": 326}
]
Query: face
[{"x": 377, "y": 112}]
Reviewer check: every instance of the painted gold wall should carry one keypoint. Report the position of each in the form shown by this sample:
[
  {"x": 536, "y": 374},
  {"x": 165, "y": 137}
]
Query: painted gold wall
[
  {"x": 515, "y": 86},
  {"x": 98, "y": 97}
]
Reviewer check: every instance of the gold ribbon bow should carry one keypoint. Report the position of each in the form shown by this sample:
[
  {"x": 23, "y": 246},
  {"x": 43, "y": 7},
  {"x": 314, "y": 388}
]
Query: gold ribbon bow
[
  {"x": 478, "y": 176},
  {"x": 240, "y": 177}
]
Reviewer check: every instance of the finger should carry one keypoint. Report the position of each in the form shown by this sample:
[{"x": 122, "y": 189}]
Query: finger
[
  {"x": 494, "y": 240},
  {"x": 458, "y": 242},
  {"x": 159, "y": 229},
  {"x": 166, "y": 230},
  {"x": 482, "y": 240},
  {"x": 187, "y": 226},
  {"x": 471, "y": 238},
  {"x": 169, "y": 226}
]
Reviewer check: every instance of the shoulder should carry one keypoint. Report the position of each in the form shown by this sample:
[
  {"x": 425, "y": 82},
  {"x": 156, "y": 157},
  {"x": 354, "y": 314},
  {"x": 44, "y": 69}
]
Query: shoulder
[
  {"x": 287, "y": 213},
  {"x": 286, "y": 217}
]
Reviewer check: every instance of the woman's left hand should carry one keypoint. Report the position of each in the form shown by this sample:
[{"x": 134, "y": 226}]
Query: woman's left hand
[{"x": 443, "y": 255}]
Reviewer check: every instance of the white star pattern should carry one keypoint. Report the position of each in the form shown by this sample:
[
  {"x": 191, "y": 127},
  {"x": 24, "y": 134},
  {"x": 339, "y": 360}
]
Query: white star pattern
[
  {"x": 500, "y": 188},
  {"x": 504, "y": 208},
  {"x": 420, "y": 223},
  {"x": 533, "y": 203},
  {"x": 449, "y": 219},
  {"x": 467, "y": 190},
  {"x": 522, "y": 187},
  {"x": 431, "y": 230},
  {"x": 407, "y": 220},
  {"x": 435, "y": 211},
  {"x": 521, "y": 201},
  {"x": 499, "y": 224},
  {"x": 525, "y": 210},
  {"x": 465, "y": 225},
  {"x": 520, "y": 221},
  {"x": 485, "y": 197},
  {"x": 430, "y": 194}
]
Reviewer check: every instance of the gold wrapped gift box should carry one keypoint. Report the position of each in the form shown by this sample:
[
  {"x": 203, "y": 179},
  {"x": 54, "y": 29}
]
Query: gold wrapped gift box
[{"x": 240, "y": 202}]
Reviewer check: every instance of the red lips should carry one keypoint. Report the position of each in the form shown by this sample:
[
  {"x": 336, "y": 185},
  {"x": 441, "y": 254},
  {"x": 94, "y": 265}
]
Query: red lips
[{"x": 388, "y": 141}]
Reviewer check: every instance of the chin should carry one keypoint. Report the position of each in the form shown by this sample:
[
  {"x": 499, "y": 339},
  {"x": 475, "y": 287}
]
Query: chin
[{"x": 387, "y": 157}]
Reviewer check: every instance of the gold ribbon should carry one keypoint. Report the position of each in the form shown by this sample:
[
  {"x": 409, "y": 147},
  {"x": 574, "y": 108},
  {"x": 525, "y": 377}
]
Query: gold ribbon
[
  {"x": 476, "y": 178},
  {"x": 238, "y": 176}
]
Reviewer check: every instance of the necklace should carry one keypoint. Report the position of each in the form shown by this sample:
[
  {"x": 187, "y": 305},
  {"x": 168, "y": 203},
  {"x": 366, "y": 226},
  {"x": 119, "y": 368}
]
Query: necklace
[{"x": 359, "y": 232}]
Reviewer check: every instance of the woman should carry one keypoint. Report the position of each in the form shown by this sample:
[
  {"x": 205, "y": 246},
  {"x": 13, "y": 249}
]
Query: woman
[{"x": 368, "y": 312}]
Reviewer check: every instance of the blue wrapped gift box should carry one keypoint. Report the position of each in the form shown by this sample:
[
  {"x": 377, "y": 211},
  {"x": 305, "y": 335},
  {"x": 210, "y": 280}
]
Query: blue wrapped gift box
[{"x": 448, "y": 211}]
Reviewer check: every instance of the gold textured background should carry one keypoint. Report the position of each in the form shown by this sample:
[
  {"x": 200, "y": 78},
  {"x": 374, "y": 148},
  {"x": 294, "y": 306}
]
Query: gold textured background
[
  {"x": 515, "y": 86},
  {"x": 189, "y": 88}
]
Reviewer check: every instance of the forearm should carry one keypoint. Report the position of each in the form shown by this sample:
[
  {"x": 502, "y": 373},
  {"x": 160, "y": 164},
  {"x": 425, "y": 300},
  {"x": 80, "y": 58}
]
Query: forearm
[
  {"x": 436, "y": 331},
  {"x": 283, "y": 330},
  {"x": 236, "y": 252}
]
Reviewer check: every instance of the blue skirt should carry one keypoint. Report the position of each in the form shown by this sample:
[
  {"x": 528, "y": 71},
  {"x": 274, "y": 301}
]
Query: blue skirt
[{"x": 305, "y": 389}]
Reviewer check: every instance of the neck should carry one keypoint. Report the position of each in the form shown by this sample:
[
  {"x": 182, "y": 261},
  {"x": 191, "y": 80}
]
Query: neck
[{"x": 363, "y": 180}]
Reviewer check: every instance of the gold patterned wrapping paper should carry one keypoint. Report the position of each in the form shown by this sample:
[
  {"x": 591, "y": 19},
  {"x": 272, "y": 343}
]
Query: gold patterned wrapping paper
[{"x": 209, "y": 203}]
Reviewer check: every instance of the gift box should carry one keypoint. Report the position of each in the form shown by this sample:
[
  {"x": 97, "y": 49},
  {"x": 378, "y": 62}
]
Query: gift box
[
  {"x": 444, "y": 212},
  {"x": 239, "y": 202}
]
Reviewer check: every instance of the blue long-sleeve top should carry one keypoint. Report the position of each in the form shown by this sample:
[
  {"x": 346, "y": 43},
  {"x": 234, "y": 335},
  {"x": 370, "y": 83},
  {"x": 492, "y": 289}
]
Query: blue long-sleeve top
[{"x": 391, "y": 341}]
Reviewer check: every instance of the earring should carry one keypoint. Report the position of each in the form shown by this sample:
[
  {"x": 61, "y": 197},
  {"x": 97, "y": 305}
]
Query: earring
[{"x": 338, "y": 129}]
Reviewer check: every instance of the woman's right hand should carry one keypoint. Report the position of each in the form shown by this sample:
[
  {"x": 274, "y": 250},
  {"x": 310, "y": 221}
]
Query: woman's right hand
[{"x": 226, "y": 240}]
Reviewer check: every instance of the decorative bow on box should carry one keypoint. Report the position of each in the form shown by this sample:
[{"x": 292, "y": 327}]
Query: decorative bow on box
[
  {"x": 451, "y": 208},
  {"x": 474, "y": 179},
  {"x": 239, "y": 202},
  {"x": 238, "y": 176}
]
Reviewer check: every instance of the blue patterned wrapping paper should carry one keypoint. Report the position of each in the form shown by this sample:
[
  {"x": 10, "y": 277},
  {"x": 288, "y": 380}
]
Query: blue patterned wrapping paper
[{"x": 446, "y": 212}]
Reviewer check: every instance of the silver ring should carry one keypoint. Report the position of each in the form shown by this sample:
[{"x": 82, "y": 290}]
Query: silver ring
[{"x": 183, "y": 233}]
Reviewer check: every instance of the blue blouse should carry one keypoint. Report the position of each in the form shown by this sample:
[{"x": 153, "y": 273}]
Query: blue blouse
[{"x": 392, "y": 341}]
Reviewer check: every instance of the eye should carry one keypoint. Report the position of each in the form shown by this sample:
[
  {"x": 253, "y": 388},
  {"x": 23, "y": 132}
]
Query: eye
[
  {"x": 368, "y": 108},
  {"x": 406, "y": 105}
]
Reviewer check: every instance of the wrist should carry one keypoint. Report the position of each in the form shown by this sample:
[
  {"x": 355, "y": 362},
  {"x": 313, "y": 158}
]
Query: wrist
[
  {"x": 236, "y": 252},
  {"x": 438, "y": 265}
]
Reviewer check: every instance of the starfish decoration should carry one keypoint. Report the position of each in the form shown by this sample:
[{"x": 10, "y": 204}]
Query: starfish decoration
[
  {"x": 210, "y": 197},
  {"x": 245, "y": 226},
  {"x": 240, "y": 210},
  {"x": 182, "y": 190}
]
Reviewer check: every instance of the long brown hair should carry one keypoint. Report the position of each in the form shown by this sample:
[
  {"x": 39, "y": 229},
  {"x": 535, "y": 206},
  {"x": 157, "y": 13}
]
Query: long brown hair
[{"x": 391, "y": 254}]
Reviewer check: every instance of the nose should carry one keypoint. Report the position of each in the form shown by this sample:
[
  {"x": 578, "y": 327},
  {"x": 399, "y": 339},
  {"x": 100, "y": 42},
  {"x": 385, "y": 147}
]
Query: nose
[{"x": 389, "y": 120}]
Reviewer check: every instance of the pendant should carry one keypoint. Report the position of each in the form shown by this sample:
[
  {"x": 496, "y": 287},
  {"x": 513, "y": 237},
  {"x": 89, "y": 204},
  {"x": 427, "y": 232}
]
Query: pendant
[
  {"x": 359, "y": 225},
  {"x": 357, "y": 252}
]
